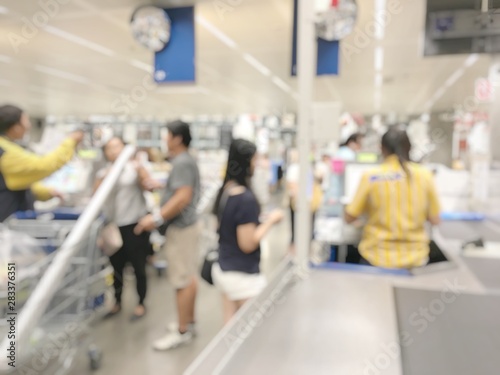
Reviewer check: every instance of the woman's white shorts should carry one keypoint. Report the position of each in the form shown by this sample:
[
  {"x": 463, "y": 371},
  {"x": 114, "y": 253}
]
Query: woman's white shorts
[{"x": 237, "y": 285}]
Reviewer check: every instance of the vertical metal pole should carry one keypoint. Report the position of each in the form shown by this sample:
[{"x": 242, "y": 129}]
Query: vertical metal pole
[
  {"x": 495, "y": 109},
  {"x": 485, "y": 6},
  {"x": 306, "y": 73}
]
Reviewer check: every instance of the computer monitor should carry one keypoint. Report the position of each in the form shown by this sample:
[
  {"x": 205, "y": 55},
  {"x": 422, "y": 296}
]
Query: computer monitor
[
  {"x": 90, "y": 154},
  {"x": 71, "y": 179},
  {"x": 367, "y": 157}
]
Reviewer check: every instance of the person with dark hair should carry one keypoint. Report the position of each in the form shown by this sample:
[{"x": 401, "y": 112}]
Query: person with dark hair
[
  {"x": 398, "y": 197},
  {"x": 124, "y": 207},
  {"x": 178, "y": 214},
  {"x": 237, "y": 274},
  {"x": 180, "y": 130},
  {"x": 20, "y": 170},
  {"x": 350, "y": 147}
]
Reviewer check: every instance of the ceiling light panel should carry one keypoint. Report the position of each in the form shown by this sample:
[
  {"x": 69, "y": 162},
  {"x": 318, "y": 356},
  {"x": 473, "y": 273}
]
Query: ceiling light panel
[
  {"x": 257, "y": 64},
  {"x": 141, "y": 65},
  {"x": 216, "y": 32},
  {"x": 78, "y": 40},
  {"x": 380, "y": 19},
  {"x": 281, "y": 84},
  {"x": 454, "y": 77},
  {"x": 61, "y": 74},
  {"x": 471, "y": 60}
]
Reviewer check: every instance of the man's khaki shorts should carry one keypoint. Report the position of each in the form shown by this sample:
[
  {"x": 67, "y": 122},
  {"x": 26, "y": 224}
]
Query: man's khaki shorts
[{"x": 182, "y": 254}]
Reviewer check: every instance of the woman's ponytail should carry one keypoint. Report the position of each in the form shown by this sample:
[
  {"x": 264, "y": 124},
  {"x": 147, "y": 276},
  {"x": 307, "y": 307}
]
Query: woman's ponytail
[{"x": 396, "y": 142}]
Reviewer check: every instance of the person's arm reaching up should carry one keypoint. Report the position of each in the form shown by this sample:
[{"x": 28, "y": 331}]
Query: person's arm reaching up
[
  {"x": 146, "y": 181},
  {"x": 21, "y": 168},
  {"x": 43, "y": 193}
]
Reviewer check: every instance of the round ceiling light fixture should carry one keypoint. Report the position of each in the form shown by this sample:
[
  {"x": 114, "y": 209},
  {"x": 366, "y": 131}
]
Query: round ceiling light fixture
[
  {"x": 335, "y": 19},
  {"x": 151, "y": 27}
]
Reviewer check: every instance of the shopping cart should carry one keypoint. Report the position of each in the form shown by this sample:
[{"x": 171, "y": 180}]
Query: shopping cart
[
  {"x": 66, "y": 295},
  {"x": 79, "y": 299}
]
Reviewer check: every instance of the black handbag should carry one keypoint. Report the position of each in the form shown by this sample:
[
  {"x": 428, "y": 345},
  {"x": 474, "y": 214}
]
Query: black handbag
[
  {"x": 212, "y": 255},
  {"x": 211, "y": 258}
]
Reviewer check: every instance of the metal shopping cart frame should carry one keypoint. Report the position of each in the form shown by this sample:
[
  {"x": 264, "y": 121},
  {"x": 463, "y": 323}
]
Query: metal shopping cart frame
[
  {"x": 73, "y": 303},
  {"x": 61, "y": 295}
]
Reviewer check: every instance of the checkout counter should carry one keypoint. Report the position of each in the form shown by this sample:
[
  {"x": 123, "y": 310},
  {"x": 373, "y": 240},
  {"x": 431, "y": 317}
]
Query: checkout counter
[{"x": 348, "y": 319}]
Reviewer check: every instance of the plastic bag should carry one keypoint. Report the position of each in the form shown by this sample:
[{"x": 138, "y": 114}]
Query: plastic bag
[
  {"x": 20, "y": 249},
  {"x": 110, "y": 239}
]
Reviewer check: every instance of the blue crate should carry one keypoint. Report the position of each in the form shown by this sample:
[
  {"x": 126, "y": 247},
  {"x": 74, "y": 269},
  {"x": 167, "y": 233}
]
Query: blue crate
[
  {"x": 57, "y": 214},
  {"x": 333, "y": 253},
  {"x": 462, "y": 216},
  {"x": 49, "y": 249},
  {"x": 96, "y": 302}
]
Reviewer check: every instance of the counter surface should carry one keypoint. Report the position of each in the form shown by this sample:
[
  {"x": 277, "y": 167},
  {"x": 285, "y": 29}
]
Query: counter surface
[
  {"x": 352, "y": 323},
  {"x": 468, "y": 231},
  {"x": 325, "y": 323},
  {"x": 457, "y": 333}
]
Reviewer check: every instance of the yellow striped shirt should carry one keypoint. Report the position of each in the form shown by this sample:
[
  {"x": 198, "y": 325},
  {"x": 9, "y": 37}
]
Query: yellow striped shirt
[{"x": 397, "y": 207}]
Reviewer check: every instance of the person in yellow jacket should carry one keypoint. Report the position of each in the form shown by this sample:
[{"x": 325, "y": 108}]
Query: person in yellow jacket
[
  {"x": 398, "y": 198},
  {"x": 20, "y": 170}
]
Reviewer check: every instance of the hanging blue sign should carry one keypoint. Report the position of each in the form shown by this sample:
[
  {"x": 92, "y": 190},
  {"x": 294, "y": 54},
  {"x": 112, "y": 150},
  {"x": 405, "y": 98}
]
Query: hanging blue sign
[
  {"x": 176, "y": 63},
  {"x": 328, "y": 52}
]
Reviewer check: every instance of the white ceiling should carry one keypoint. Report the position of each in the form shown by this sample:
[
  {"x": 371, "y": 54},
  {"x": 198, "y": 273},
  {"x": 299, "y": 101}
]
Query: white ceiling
[{"x": 59, "y": 71}]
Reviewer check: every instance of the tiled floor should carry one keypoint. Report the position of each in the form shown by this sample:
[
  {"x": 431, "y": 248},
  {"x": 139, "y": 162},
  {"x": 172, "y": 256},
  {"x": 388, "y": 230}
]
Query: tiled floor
[{"x": 126, "y": 346}]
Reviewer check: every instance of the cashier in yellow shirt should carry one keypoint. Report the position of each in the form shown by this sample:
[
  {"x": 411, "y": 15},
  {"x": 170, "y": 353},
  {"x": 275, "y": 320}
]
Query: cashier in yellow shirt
[
  {"x": 21, "y": 171},
  {"x": 398, "y": 199}
]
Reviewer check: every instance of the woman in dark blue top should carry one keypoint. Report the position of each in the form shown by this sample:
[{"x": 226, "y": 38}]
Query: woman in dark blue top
[{"x": 237, "y": 274}]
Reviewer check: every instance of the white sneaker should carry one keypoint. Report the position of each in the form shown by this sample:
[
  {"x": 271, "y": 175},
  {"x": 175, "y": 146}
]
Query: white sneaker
[
  {"x": 172, "y": 340},
  {"x": 174, "y": 327}
]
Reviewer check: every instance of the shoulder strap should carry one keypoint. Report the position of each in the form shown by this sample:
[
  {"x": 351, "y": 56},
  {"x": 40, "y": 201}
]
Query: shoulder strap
[
  {"x": 223, "y": 203},
  {"x": 223, "y": 200}
]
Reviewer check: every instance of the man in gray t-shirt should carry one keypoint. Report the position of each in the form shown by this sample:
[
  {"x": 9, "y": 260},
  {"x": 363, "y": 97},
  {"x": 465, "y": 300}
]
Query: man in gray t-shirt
[
  {"x": 184, "y": 173},
  {"x": 178, "y": 211}
]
